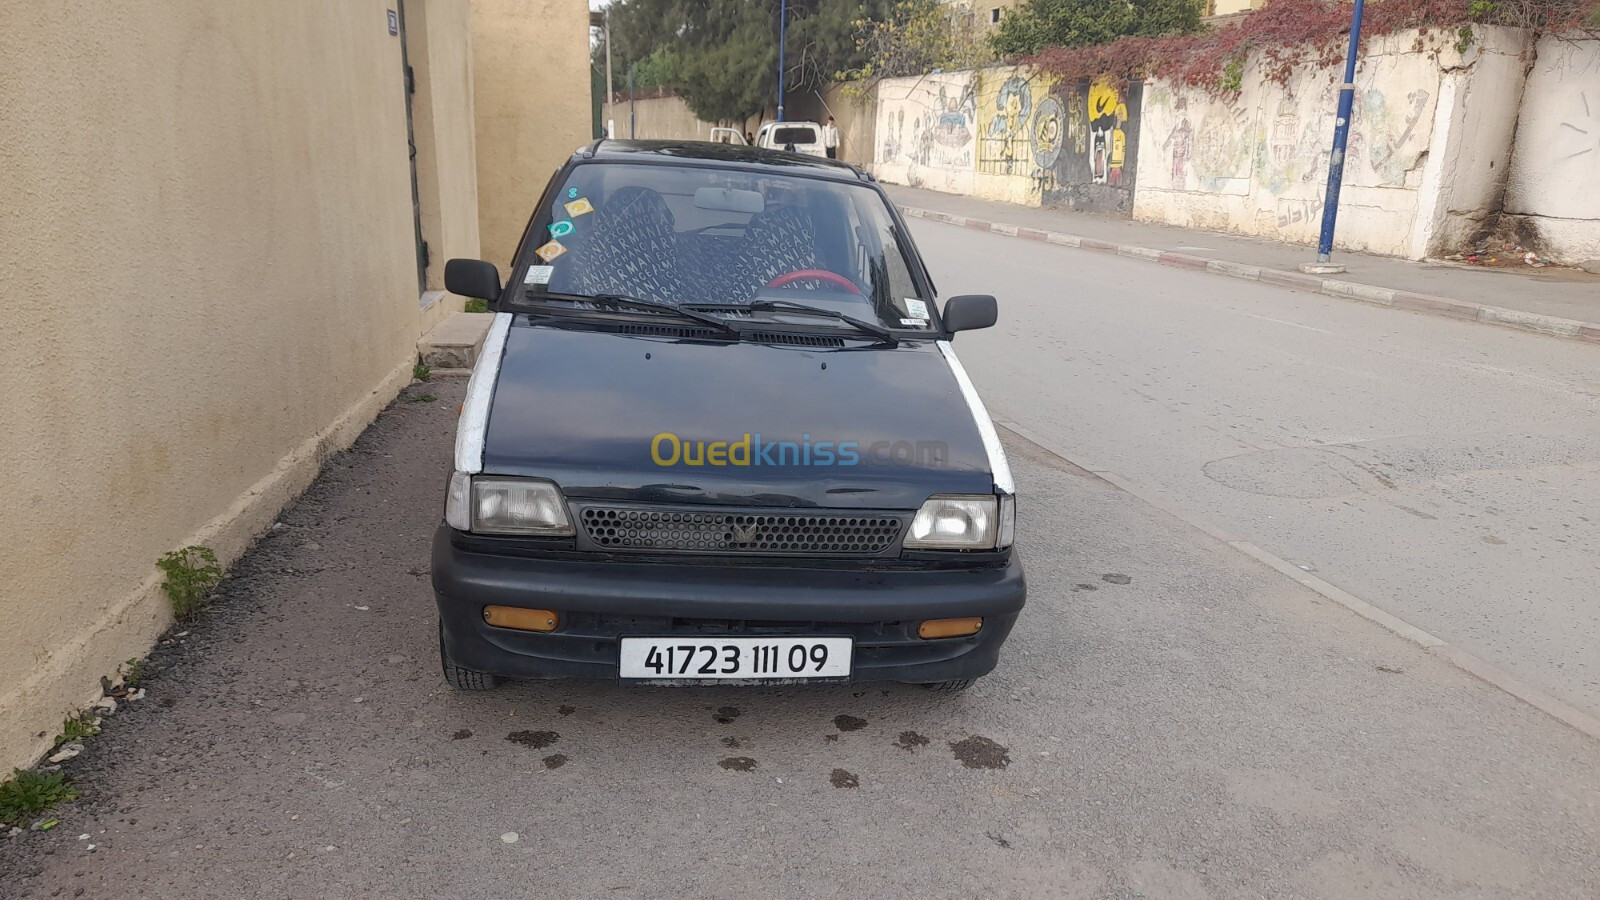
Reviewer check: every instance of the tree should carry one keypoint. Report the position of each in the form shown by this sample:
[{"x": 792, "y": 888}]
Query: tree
[
  {"x": 916, "y": 37},
  {"x": 722, "y": 55},
  {"x": 1038, "y": 24}
]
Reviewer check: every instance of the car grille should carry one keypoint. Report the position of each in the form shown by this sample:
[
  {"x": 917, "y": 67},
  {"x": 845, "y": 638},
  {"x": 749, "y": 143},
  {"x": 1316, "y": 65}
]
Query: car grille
[{"x": 743, "y": 532}]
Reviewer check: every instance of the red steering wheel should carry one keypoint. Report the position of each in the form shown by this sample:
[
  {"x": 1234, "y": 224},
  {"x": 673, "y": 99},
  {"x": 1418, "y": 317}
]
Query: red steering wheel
[{"x": 817, "y": 275}]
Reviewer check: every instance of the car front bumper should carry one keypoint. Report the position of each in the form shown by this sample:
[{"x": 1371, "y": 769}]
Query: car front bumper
[{"x": 599, "y": 601}]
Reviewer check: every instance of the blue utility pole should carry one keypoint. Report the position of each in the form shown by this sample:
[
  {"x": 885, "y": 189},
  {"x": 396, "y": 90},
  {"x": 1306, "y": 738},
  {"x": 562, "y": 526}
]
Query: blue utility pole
[
  {"x": 783, "y": 22},
  {"x": 1341, "y": 131},
  {"x": 633, "y": 118}
]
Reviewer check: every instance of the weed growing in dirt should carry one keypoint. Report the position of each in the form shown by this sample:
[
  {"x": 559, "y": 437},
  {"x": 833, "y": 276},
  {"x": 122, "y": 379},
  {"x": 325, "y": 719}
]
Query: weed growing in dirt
[
  {"x": 138, "y": 673},
  {"x": 75, "y": 728},
  {"x": 476, "y": 305},
  {"x": 422, "y": 398},
  {"x": 27, "y": 793},
  {"x": 420, "y": 372},
  {"x": 191, "y": 574}
]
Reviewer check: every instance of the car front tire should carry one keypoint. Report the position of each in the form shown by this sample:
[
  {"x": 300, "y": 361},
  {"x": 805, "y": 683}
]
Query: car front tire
[{"x": 463, "y": 679}]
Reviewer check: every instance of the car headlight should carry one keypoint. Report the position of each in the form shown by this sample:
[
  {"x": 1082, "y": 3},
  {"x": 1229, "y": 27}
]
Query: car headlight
[
  {"x": 491, "y": 505},
  {"x": 956, "y": 522}
]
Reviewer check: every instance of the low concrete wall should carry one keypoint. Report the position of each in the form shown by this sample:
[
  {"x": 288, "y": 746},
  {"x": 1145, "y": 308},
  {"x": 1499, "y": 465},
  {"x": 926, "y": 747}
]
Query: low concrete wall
[
  {"x": 1554, "y": 190},
  {"x": 1419, "y": 157}
]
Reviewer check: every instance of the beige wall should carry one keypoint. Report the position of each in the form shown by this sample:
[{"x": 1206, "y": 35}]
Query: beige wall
[
  {"x": 208, "y": 283},
  {"x": 530, "y": 68},
  {"x": 442, "y": 118},
  {"x": 661, "y": 118}
]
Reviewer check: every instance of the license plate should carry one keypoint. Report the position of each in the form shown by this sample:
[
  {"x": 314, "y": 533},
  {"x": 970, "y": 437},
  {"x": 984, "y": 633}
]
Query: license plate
[{"x": 736, "y": 658}]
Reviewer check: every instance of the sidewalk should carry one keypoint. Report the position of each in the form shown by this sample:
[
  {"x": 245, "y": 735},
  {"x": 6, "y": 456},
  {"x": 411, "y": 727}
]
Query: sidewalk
[{"x": 1558, "y": 301}]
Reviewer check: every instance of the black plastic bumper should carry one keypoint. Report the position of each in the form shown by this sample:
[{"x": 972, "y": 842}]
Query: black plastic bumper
[{"x": 601, "y": 601}]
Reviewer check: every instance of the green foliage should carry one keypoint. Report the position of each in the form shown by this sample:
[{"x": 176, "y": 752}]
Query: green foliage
[
  {"x": 422, "y": 398},
  {"x": 722, "y": 55},
  {"x": 1481, "y": 9},
  {"x": 918, "y": 36},
  {"x": 420, "y": 372},
  {"x": 28, "y": 793},
  {"x": 1038, "y": 24},
  {"x": 138, "y": 675},
  {"x": 475, "y": 305},
  {"x": 74, "y": 729},
  {"x": 191, "y": 574},
  {"x": 1232, "y": 75},
  {"x": 1464, "y": 39}
]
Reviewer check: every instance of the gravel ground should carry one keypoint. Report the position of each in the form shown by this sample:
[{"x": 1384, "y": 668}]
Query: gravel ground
[{"x": 1171, "y": 720}]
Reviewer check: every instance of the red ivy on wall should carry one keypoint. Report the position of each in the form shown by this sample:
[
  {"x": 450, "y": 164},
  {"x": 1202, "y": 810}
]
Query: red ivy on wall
[{"x": 1294, "y": 34}]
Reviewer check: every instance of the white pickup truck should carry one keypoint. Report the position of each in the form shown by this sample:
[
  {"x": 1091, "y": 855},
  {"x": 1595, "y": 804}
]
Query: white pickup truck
[{"x": 797, "y": 137}]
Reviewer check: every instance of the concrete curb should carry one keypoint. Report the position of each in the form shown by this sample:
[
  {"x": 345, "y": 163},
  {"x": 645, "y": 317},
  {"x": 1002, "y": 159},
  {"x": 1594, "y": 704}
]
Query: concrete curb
[
  {"x": 1470, "y": 663},
  {"x": 1410, "y": 301}
]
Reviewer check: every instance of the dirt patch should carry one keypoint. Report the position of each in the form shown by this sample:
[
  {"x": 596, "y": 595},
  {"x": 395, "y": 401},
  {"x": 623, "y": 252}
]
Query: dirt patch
[
  {"x": 842, "y": 779},
  {"x": 1116, "y": 578},
  {"x": 567, "y": 710},
  {"x": 732, "y": 743},
  {"x": 461, "y": 735},
  {"x": 726, "y": 714},
  {"x": 909, "y": 741},
  {"x": 978, "y": 752},
  {"x": 738, "y": 764},
  {"x": 849, "y": 723},
  {"x": 555, "y": 760},
  {"x": 538, "y": 740}
]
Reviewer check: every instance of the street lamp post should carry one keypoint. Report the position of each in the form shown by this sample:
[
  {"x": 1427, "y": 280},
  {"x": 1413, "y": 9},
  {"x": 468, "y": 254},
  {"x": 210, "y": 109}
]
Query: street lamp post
[
  {"x": 783, "y": 17},
  {"x": 602, "y": 20},
  {"x": 1341, "y": 131}
]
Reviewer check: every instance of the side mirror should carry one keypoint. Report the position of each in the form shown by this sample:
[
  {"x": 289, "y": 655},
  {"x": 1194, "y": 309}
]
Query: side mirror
[
  {"x": 472, "y": 278},
  {"x": 970, "y": 311}
]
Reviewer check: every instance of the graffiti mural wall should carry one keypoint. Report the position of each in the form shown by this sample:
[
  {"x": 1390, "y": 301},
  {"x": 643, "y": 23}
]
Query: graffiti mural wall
[
  {"x": 927, "y": 131},
  {"x": 1256, "y": 161},
  {"x": 1098, "y": 162},
  {"x": 1008, "y": 134}
]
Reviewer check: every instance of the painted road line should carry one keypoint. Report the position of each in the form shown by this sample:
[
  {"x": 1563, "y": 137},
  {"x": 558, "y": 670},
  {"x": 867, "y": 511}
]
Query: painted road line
[{"x": 1461, "y": 659}]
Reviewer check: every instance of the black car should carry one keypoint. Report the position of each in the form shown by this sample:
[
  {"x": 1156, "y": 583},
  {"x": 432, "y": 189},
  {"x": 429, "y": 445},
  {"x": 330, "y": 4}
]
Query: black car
[{"x": 717, "y": 434}]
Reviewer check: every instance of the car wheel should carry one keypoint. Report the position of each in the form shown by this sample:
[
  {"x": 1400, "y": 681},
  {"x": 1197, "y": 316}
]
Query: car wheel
[
  {"x": 954, "y": 686},
  {"x": 459, "y": 678}
]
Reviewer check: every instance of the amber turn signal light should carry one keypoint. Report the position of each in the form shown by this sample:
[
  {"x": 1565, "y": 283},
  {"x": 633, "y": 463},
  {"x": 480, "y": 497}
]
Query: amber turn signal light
[
  {"x": 519, "y": 618},
  {"x": 943, "y": 628}
]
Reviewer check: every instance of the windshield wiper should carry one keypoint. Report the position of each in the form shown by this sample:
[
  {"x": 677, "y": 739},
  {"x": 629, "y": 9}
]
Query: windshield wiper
[
  {"x": 623, "y": 301},
  {"x": 881, "y": 333}
]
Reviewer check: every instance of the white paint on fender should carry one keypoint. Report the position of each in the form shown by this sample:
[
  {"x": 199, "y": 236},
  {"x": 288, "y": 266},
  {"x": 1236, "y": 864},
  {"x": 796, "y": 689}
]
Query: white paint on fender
[
  {"x": 474, "y": 424},
  {"x": 991, "y": 438}
]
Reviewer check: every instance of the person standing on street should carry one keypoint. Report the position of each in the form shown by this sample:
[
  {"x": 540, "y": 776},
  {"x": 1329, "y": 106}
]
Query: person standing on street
[{"x": 830, "y": 139}]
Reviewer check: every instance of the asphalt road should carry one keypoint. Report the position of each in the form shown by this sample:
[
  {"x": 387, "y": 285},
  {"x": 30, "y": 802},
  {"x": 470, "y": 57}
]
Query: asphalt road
[
  {"x": 1171, "y": 720},
  {"x": 1443, "y": 471}
]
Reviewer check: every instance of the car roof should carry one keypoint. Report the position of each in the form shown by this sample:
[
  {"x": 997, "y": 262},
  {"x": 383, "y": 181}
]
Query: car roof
[{"x": 727, "y": 156}]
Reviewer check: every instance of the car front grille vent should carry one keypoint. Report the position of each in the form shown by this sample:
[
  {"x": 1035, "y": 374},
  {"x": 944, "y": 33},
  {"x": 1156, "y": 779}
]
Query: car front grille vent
[
  {"x": 677, "y": 331},
  {"x": 831, "y": 534},
  {"x": 800, "y": 340}
]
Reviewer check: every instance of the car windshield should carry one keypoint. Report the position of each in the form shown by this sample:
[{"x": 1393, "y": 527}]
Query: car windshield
[{"x": 701, "y": 237}]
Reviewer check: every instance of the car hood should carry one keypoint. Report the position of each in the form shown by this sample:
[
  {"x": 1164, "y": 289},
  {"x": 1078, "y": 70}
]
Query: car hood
[{"x": 586, "y": 408}]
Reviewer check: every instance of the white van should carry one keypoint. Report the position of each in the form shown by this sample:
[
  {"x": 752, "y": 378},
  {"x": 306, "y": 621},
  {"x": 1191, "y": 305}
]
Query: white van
[
  {"x": 804, "y": 137},
  {"x": 722, "y": 135}
]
